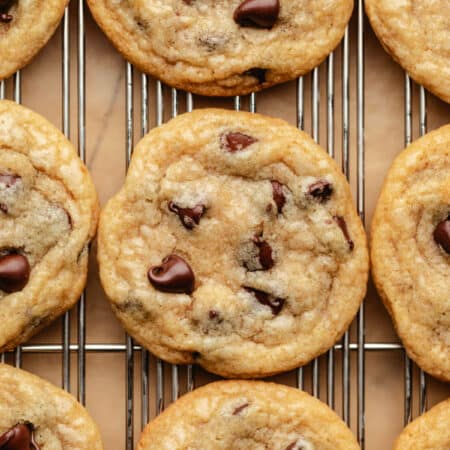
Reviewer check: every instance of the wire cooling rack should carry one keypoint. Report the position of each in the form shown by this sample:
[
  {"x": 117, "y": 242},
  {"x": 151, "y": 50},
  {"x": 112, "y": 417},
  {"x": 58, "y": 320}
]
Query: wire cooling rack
[{"x": 159, "y": 382}]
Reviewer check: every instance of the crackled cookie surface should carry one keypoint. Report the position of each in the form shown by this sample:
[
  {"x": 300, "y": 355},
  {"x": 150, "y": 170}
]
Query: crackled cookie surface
[
  {"x": 416, "y": 33},
  {"x": 247, "y": 415},
  {"x": 223, "y": 47},
  {"x": 234, "y": 243},
  {"x": 48, "y": 215},
  {"x": 35, "y": 415},
  {"x": 429, "y": 431},
  {"x": 25, "y": 27},
  {"x": 411, "y": 249}
]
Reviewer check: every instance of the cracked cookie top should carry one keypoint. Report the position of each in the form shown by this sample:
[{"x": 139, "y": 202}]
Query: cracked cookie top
[
  {"x": 411, "y": 249},
  {"x": 35, "y": 415},
  {"x": 247, "y": 415},
  {"x": 223, "y": 47},
  {"x": 48, "y": 215},
  {"x": 25, "y": 27},
  {"x": 416, "y": 33},
  {"x": 234, "y": 244}
]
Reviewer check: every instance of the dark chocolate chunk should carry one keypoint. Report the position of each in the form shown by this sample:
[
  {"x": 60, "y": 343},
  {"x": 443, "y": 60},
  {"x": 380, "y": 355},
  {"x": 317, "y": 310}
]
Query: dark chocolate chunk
[
  {"x": 321, "y": 190},
  {"x": 213, "y": 314},
  {"x": 257, "y": 13},
  {"x": 278, "y": 195},
  {"x": 259, "y": 74},
  {"x": 173, "y": 275},
  {"x": 5, "y": 17},
  {"x": 8, "y": 180},
  {"x": 19, "y": 437},
  {"x": 14, "y": 272},
  {"x": 234, "y": 142},
  {"x": 274, "y": 303},
  {"x": 441, "y": 234},
  {"x": 265, "y": 253},
  {"x": 239, "y": 409},
  {"x": 189, "y": 216},
  {"x": 343, "y": 226}
]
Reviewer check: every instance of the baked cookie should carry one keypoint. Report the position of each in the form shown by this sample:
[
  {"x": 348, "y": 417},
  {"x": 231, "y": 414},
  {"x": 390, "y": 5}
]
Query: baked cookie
[
  {"x": 234, "y": 244},
  {"x": 25, "y": 27},
  {"x": 431, "y": 431},
  {"x": 48, "y": 216},
  {"x": 224, "y": 47},
  {"x": 411, "y": 250},
  {"x": 416, "y": 34},
  {"x": 247, "y": 415},
  {"x": 36, "y": 415}
]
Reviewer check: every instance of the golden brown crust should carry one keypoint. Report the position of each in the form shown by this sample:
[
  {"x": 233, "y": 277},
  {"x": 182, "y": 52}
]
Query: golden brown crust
[
  {"x": 51, "y": 218},
  {"x": 196, "y": 46},
  {"x": 247, "y": 415},
  {"x": 411, "y": 271},
  {"x": 416, "y": 34},
  {"x": 33, "y": 24}
]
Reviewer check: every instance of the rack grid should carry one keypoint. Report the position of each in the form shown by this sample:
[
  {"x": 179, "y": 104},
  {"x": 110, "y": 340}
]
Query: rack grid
[{"x": 159, "y": 373}]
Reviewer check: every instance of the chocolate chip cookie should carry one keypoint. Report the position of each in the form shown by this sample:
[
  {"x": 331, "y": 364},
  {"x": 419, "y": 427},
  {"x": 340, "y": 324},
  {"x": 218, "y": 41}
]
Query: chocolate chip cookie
[
  {"x": 416, "y": 34},
  {"x": 247, "y": 415},
  {"x": 25, "y": 27},
  {"x": 431, "y": 431},
  {"x": 411, "y": 250},
  {"x": 35, "y": 415},
  {"x": 234, "y": 244},
  {"x": 48, "y": 216},
  {"x": 224, "y": 47}
]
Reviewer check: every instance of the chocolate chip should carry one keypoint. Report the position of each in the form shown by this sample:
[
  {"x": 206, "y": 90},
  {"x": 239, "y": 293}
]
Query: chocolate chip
[
  {"x": 239, "y": 409},
  {"x": 265, "y": 253},
  {"x": 189, "y": 216},
  {"x": 321, "y": 190},
  {"x": 278, "y": 195},
  {"x": 173, "y": 275},
  {"x": 274, "y": 303},
  {"x": 234, "y": 142},
  {"x": 259, "y": 74},
  {"x": 257, "y": 13},
  {"x": 8, "y": 180},
  {"x": 14, "y": 273},
  {"x": 19, "y": 437},
  {"x": 343, "y": 226},
  {"x": 5, "y": 17},
  {"x": 213, "y": 314},
  {"x": 196, "y": 355},
  {"x": 441, "y": 234},
  {"x": 3, "y": 208}
]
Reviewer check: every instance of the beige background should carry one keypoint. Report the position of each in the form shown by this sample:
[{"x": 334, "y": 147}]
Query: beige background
[{"x": 105, "y": 70}]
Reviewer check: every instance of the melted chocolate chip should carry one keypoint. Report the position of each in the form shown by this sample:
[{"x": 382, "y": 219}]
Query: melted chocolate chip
[
  {"x": 343, "y": 226},
  {"x": 14, "y": 273},
  {"x": 278, "y": 195},
  {"x": 321, "y": 190},
  {"x": 291, "y": 446},
  {"x": 189, "y": 216},
  {"x": 3, "y": 208},
  {"x": 441, "y": 234},
  {"x": 259, "y": 74},
  {"x": 8, "y": 180},
  {"x": 20, "y": 437},
  {"x": 213, "y": 314},
  {"x": 173, "y": 275},
  {"x": 257, "y": 13},
  {"x": 196, "y": 355},
  {"x": 5, "y": 17},
  {"x": 274, "y": 303},
  {"x": 240, "y": 409},
  {"x": 234, "y": 142},
  {"x": 265, "y": 253}
]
